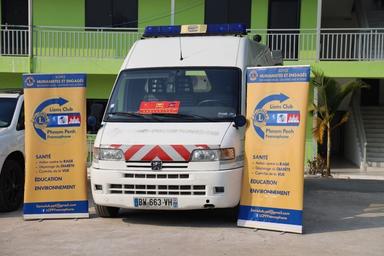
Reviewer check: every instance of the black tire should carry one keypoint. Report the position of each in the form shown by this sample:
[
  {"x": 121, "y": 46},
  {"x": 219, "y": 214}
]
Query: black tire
[
  {"x": 11, "y": 186},
  {"x": 106, "y": 211}
]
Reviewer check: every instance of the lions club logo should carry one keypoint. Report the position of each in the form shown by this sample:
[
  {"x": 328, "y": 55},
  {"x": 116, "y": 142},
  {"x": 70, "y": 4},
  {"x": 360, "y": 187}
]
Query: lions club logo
[
  {"x": 252, "y": 75},
  {"x": 29, "y": 81}
]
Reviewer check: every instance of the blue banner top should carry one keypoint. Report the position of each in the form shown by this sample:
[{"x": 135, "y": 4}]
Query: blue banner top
[
  {"x": 278, "y": 74},
  {"x": 54, "y": 80}
]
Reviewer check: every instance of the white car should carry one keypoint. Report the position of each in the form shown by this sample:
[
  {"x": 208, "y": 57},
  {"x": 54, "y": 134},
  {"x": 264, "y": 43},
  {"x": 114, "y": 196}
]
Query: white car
[{"x": 11, "y": 149}]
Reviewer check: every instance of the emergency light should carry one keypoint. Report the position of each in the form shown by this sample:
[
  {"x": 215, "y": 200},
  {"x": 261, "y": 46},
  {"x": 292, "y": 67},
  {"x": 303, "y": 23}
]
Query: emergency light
[
  {"x": 153, "y": 31},
  {"x": 201, "y": 29}
]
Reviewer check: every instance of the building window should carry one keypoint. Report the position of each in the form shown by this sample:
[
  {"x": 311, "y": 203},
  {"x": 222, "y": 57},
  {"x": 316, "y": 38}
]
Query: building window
[
  {"x": 284, "y": 14},
  {"x": 228, "y": 11},
  {"x": 14, "y": 12},
  {"x": 14, "y": 21},
  {"x": 111, "y": 13}
]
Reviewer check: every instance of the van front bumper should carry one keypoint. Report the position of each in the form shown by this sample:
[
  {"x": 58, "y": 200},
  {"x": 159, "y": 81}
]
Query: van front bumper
[{"x": 191, "y": 190}]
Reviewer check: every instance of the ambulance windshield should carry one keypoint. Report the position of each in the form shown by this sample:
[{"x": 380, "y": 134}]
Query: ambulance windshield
[{"x": 176, "y": 94}]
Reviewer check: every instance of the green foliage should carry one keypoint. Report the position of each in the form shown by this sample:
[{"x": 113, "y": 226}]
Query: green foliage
[
  {"x": 316, "y": 165},
  {"x": 330, "y": 95}
]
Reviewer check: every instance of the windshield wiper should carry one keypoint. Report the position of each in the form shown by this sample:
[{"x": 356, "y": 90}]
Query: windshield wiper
[
  {"x": 186, "y": 116},
  {"x": 129, "y": 114}
]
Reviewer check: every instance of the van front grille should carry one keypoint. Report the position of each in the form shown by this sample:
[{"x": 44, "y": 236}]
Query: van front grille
[
  {"x": 138, "y": 189},
  {"x": 146, "y": 166},
  {"x": 156, "y": 176}
]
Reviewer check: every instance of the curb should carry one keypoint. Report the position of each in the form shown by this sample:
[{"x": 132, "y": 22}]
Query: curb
[{"x": 353, "y": 176}]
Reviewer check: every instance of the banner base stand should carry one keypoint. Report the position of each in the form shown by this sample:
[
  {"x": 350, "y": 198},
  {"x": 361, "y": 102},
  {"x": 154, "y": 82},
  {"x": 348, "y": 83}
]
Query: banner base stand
[
  {"x": 56, "y": 216},
  {"x": 56, "y": 210},
  {"x": 271, "y": 226}
]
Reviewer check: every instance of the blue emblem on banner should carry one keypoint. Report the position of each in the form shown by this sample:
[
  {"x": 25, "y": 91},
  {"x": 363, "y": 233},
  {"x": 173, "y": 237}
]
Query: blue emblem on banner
[{"x": 54, "y": 80}]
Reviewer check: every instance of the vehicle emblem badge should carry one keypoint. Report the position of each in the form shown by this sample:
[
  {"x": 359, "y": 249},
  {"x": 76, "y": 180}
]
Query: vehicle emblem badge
[{"x": 156, "y": 165}]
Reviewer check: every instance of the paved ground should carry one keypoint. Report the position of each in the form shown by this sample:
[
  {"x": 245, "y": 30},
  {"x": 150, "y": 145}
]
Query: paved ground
[
  {"x": 342, "y": 217},
  {"x": 342, "y": 169}
]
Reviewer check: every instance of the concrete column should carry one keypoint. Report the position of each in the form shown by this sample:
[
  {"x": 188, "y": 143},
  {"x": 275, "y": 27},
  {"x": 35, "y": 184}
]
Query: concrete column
[
  {"x": 259, "y": 18},
  {"x": 318, "y": 29},
  {"x": 309, "y": 16},
  {"x": 172, "y": 12},
  {"x": 30, "y": 33}
]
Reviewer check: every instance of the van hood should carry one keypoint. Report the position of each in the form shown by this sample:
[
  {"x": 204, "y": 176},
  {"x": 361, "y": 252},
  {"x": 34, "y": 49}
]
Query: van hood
[{"x": 162, "y": 141}]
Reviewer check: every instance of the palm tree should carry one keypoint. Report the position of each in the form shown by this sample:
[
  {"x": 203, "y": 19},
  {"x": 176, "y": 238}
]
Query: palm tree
[{"x": 330, "y": 95}]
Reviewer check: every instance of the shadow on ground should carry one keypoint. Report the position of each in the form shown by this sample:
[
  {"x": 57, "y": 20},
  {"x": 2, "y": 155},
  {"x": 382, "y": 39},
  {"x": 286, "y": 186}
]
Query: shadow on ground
[
  {"x": 215, "y": 218},
  {"x": 330, "y": 205},
  {"x": 341, "y": 205},
  {"x": 14, "y": 214}
]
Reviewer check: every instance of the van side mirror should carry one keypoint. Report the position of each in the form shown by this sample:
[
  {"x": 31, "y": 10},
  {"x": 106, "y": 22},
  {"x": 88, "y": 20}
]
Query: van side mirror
[
  {"x": 92, "y": 122},
  {"x": 239, "y": 121}
]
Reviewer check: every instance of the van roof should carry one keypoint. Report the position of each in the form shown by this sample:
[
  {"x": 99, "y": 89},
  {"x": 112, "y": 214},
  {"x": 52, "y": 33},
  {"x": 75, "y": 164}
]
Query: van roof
[
  {"x": 9, "y": 95},
  {"x": 11, "y": 92},
  {"x": 195, "y": 50}
]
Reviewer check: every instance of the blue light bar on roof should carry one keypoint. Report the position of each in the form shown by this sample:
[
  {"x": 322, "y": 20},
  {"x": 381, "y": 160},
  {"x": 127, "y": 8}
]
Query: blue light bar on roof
[
  {"x": 154, "y": 31},
  {"x": 210, "y": 29},
  {"x": 234, "y": 28}
]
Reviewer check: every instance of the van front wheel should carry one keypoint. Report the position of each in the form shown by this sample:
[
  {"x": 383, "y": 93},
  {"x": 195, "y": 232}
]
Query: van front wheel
[
  {"x": 106, "y": 211},
  {"x": 11, "y": 186}
]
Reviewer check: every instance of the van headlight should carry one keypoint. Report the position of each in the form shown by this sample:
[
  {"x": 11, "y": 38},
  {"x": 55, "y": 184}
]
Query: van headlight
[
  {"x": 207, "y": 155},
  {"x": 108, "y": 154}
]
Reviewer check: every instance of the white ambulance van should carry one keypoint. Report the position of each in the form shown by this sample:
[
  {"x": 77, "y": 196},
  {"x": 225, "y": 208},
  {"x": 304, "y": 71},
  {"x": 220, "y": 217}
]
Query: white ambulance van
[{"x": 172, "y": 135}]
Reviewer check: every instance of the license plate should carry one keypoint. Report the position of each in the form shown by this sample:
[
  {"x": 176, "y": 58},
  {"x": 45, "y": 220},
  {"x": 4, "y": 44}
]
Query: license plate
[{"x": 155, "y": 202}]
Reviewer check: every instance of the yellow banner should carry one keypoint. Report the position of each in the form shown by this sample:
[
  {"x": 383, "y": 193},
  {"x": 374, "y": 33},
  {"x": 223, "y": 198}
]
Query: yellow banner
[
  {"x": 55, "y": 146},
  {"x": 273, "y": 181}
]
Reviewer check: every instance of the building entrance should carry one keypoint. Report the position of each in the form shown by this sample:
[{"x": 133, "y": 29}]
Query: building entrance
[{"x": 372, "y": 96}]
